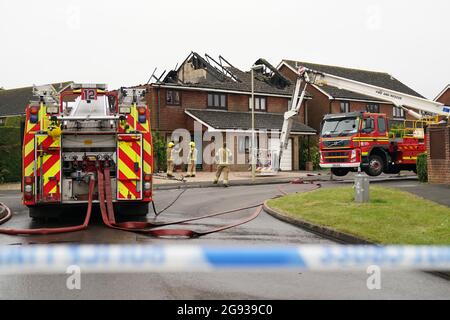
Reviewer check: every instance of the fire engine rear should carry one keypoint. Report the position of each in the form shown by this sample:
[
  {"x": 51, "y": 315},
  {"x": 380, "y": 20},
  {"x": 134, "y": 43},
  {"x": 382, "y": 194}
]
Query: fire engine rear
[{"x": 68, "y": 136}]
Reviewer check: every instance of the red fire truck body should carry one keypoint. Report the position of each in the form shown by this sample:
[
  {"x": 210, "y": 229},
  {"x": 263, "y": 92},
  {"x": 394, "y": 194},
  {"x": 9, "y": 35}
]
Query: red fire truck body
[
  {"x": 67, "y": 136},
  {"x": 360, "y": 139}
]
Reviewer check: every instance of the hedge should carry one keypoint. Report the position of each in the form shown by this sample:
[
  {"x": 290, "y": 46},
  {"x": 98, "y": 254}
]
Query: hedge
[
  {"x": 10, "y": 154},
  {"x": 422, "y": 171}
]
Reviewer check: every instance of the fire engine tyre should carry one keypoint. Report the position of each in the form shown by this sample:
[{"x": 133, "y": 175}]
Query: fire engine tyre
[
  {"x": 135, "y": 209},
  {"x": 340, "y": 172},
  {"x": 375, "y": 167}
]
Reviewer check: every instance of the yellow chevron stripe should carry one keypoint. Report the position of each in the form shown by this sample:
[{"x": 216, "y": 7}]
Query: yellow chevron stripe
[
  {"x": 124, "y": 190},
  {"x": 29, "y": 169},
  {"x": 126, "y": 148},
  {"x": 52, "y": 171},
  {"x": 147, "y": 149},
  {"x": 29, "y": 147}
]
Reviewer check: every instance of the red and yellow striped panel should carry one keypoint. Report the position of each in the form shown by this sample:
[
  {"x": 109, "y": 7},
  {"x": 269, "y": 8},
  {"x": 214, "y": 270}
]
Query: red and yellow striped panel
[
  {"x": 48, "y": 149},
  {"x": 129, "y": 167}
]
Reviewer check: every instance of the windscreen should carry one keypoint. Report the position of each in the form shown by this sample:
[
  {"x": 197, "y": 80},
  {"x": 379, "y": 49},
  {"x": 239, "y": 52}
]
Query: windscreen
[{"x": 339, "y": 127}]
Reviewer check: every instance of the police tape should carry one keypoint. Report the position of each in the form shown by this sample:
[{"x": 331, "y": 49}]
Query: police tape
[{"x": 42, "y": 259}]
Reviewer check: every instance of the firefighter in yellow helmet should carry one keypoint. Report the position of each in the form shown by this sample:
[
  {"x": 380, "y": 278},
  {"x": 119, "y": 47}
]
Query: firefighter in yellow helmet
[
  {"x": 223, "y": 161},
  {"x": 192, "y": 160},
  {"x": 170, "y": 158}
]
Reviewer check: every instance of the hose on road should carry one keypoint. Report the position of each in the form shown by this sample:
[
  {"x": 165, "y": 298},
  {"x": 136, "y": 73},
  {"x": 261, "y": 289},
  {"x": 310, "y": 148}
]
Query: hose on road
[{"x": 147, "y": 228}]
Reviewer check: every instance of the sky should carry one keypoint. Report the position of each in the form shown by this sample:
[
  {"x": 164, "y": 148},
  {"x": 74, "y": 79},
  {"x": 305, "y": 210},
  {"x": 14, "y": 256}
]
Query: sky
[{"x": 121, "y": 42}]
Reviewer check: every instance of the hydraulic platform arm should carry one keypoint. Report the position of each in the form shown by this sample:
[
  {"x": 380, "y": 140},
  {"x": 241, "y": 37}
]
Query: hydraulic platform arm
[{"x": 399, "y": 99}]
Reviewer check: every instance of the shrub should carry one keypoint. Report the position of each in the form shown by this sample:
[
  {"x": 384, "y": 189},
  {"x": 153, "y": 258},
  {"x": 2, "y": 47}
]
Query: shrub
[
  {"x": 10, "y": 155},
  {"x": 159, "y": 151},
  {"x": 421, "y": 165}
]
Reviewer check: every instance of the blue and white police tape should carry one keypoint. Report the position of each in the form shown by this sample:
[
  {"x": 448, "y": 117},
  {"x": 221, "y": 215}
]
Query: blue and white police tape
[{"x": 150, "y": 258}]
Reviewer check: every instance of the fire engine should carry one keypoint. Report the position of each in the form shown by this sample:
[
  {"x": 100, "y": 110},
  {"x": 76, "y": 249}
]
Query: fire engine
[
  {"x": 68, "y": 136},
  {"x": 349, "y": 141}
]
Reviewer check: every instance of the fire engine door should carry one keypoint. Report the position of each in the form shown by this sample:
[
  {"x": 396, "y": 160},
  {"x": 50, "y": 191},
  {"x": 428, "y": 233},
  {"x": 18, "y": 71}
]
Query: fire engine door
[{"x": 48, "y": 168}]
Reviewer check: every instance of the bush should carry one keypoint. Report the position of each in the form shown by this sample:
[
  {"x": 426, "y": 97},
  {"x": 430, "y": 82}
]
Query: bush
[
  {"x": 421, "y": 165},
  {"x": 10, "y": 155},
  {"x": 159, "y": 151},
  {"x": 314, "y": 155}
]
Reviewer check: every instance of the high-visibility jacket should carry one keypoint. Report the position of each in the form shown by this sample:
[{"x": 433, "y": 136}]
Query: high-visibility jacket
[
  {"x": 171, "y": 152},
  {"x": 192, "y": 156},
  {"x": 224, "y": 156}
]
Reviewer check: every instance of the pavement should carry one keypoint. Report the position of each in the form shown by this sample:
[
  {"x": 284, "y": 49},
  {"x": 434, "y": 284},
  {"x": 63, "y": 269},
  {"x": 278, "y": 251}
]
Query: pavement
[
  {"x": 205, "y": 179},
  {"x": 257, "y": 284}
]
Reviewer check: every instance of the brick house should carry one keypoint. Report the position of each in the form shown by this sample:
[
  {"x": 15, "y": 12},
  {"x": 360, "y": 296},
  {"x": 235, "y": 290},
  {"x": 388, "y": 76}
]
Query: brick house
[
  {"x": 326, "y": 99},
  {"x": 215, "y": 96},
  {"x": 438, "y": 146},
  {"x": 444, "y": 96}
]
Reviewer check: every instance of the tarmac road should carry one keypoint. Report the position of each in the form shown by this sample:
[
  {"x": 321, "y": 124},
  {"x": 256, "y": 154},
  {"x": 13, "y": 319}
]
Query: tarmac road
[{"x": 214, "y": 285}]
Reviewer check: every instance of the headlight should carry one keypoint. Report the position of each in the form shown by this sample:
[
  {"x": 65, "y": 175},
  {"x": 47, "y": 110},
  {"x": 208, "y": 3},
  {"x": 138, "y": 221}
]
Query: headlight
[
  {"x": 52, "y": 109},
  {"x": 124, "y": 110},
  {"x": 353, "y": 157}
]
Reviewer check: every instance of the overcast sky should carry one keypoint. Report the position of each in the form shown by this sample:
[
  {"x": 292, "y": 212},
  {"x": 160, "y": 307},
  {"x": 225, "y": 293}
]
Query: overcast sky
[{"x": 121, "y": 42}]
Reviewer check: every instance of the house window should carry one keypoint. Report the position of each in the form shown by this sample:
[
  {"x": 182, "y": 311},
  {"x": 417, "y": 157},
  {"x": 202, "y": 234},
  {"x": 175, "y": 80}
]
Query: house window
[
  {"x": 398, "y": 112},
  {"x": 373, "y": 108},
  {"x": 345, "y": 107},
  {"x": 173, "y": 97},
  {"x": 2, "y": 121},
  {"x": 217, "y": 100},
  {"x": 260, "y": 103}
]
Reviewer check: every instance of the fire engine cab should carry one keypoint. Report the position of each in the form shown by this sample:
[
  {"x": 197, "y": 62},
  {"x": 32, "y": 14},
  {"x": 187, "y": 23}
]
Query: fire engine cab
[
  {"x": 69, "y": 135},
  {"x": 361, "y": 139}
]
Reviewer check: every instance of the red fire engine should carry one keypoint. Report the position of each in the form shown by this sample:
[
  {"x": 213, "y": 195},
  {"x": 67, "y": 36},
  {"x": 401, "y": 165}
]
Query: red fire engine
[
  {"x": 349, "y": 141},
  {"x": 68, "y": 136}
]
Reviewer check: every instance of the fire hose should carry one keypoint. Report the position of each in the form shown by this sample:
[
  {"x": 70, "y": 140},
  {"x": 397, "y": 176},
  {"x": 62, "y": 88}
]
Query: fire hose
[{"x": 147, "y": 228}]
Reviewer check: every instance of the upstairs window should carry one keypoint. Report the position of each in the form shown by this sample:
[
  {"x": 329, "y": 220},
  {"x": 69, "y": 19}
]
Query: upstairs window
[
  {"x": 398, "y": 112},
  {"x": 373, "y": 108},
  {"x": 260, "y": 103},
  {"x": 217, "y": 100},
  {"x": 173, "y": 98},
  {"x": 345, "y": 107}
]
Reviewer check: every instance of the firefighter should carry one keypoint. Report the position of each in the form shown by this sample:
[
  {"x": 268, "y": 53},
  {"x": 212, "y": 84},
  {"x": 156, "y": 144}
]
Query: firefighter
[
  {"x": 192, "y": 160},
  {"x": 223, "y": 161},
  {"x": 170, "y": 158}
]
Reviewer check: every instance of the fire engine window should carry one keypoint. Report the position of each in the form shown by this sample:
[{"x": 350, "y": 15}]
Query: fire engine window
[
  {"x": 173, "y": 97},
  {"x": 368, "y": 125},
  {"x": 381, "y": 125}
]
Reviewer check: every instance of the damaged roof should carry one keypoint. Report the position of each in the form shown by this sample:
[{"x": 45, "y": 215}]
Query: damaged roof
[
  {"x": 224, "y": 76},
  {"x": 14, "y": 101},
  {"x": 231, "y": 120},
  {"x": 380, "y": 79}
]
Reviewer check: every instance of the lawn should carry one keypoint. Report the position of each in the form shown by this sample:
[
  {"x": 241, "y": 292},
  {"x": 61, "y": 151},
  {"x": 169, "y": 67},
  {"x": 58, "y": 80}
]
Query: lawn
[{"x": 391, "y": 217}]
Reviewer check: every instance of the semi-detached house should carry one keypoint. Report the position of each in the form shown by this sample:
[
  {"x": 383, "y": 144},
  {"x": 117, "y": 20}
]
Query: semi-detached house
[{"x": 216, "y": 95}]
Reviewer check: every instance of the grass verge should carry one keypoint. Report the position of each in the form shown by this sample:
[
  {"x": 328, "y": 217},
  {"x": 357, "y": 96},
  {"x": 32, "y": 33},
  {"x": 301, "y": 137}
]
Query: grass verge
[{"x": 391, "y": 217}]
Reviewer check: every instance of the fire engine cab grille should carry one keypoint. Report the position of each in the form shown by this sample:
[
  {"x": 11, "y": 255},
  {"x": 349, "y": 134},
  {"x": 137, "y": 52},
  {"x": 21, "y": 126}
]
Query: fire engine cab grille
[{"x": 336, "y": 157}]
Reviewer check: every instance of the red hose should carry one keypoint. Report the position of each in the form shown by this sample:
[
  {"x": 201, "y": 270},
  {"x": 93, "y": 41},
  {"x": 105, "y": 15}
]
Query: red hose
[
  {"x": 104, "y": 186},
  {"x": 44, "y": 231},
  {"x": 108, "y": 216}
]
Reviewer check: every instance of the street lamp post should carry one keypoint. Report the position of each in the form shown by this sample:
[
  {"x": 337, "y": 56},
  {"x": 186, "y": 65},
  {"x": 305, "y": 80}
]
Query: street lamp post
[{"x": 252, "y": 106}]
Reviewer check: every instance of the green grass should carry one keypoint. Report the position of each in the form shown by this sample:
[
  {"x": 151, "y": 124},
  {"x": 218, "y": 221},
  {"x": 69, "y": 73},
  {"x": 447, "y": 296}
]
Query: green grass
[{"x": 391, "y": 217}]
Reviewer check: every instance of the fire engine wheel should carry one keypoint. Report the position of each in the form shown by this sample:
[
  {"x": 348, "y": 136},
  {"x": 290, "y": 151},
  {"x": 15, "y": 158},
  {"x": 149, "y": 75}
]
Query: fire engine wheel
[
  {"x": 135, "y": 209},
  {"x": 340, "y": 172},
  {"x": 375, "y": 167}
]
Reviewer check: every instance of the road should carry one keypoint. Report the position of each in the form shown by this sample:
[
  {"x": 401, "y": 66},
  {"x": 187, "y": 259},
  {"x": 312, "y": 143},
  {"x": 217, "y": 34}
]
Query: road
[{"x": 257, "y": 284}]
